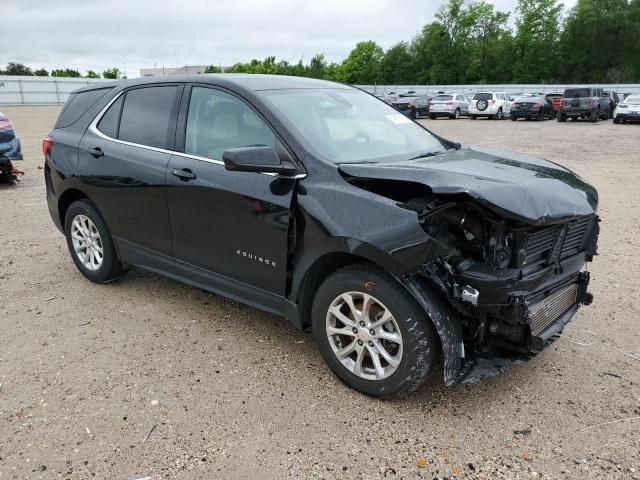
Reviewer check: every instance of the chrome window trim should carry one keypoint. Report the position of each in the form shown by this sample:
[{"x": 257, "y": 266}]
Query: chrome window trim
[{"x": 93, "y": 127}]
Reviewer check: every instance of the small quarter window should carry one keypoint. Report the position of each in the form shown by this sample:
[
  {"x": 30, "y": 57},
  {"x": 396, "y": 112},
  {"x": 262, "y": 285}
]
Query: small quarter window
[{"x": 109, "y": 122}]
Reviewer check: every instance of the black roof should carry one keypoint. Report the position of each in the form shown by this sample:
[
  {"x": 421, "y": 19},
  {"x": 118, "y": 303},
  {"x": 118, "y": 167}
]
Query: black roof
[{"x": 247, "y": 81}]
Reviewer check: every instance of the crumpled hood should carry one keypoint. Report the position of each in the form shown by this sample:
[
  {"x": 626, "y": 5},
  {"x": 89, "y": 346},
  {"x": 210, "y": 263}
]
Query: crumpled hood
[{"x": 518, "y": 186}]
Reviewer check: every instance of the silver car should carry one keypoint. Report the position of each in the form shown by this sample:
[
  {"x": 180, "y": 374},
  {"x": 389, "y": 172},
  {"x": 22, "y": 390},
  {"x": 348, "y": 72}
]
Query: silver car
[{"x": 452, "y": 105}]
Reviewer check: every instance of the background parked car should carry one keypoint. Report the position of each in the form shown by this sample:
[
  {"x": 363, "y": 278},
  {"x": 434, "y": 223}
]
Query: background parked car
[
  {"x": 556, "y": 101},
  {"x": 628, "y": 110},
  {"x": 493, "y": 105},
  {"x": 614, "y": 100},
  {"x": 538, "y": 108},
  {"x": 10, "y": 146},
  {"x": 414, "y": 107},
  {"x": 584, "y": 102},
  {"x": 452, "y": 105}
]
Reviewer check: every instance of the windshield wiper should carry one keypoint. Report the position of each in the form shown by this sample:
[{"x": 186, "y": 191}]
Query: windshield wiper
[{"x": 427, "y": 155}]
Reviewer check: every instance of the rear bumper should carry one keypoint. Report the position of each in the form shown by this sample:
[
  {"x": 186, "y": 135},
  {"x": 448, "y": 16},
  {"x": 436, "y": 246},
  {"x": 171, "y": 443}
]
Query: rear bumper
[
  {"x": 525, "y": 113},
  {"x": 442, "y": 112},
  {"x": 630, "y": 117}
]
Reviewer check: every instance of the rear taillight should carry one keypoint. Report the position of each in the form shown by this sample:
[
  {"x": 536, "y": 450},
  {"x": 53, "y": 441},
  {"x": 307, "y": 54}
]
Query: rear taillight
[
  {"x": 47, "y": 143},
  {"x": 493, "y": 101},
  {"x": 449, "y": 103},
  {"x": 6, "y": 125}
]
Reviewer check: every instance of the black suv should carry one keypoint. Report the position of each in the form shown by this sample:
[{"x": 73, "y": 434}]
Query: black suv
[
  {"x": 585, "y": 102},
  {"x": 321, "y": 203}
]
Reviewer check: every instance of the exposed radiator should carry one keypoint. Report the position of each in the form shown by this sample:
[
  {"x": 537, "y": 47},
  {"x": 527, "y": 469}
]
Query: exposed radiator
[{"x": 544, "y": 312}]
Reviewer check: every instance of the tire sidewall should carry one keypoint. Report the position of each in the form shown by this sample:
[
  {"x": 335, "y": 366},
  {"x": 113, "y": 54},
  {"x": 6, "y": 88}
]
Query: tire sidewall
[
  {"x": 418, "y": 334},
  {"x": 110, "y": 263}
]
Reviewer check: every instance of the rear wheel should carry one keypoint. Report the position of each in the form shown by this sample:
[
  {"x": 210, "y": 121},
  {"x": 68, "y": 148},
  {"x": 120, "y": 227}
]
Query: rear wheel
[
  {"x": 432, "y": 117},
  {"x": 540, "y": 117},
  {"x": 616, "y": 120},
  {"x": 594, "y": 115},
  {"x": 513, "y": 119},
  {"x": 456, "y": 115},
  {"x": 90, "y": 243},
  {"x": 473, "y": 117},
  {"x": 372, "y": 333}
]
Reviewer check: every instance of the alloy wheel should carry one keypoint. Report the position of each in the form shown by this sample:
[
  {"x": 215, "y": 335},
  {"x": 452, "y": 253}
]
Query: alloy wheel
[
  {"x": 87, "y": 243},
  {"x": 364, "y": 335}
]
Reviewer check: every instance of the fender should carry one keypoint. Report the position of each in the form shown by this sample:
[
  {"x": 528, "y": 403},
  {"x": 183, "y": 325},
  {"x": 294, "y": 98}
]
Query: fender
[{"x": 447, "y": 323}]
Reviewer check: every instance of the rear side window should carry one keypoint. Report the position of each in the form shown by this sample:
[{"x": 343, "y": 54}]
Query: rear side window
[
  {"x": 77, "y": 104},
  {"x": 146, "y": 115},
  {"x": 109, "y": 122},
  {"x": 483, "y": 96}
]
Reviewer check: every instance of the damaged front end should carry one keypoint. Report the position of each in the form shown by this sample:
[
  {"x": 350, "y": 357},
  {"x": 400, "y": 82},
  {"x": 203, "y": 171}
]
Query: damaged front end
[{"x": 514, "y": 286}]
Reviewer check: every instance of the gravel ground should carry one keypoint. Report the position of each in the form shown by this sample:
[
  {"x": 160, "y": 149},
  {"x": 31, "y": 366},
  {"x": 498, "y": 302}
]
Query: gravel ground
[{"x": 87, "y": 370}]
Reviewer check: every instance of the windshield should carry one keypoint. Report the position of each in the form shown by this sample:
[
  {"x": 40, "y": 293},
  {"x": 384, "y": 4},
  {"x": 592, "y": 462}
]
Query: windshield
[
  {"x": 577, "y": 93},
  {"x": 443, "y": 98},
  {"x": 351, "y": 126},
  {"x": 632, "y": 99}
]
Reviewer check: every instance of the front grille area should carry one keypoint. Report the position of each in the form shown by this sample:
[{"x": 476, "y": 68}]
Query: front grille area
[
  {"x": 544, "y": 312},
  {"x": 546, "y": 245},
  {"x": 574, "y": 239}
]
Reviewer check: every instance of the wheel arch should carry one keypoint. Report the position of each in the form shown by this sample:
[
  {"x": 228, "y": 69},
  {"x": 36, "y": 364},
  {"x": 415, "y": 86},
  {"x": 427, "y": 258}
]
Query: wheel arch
[{"x": 69, "y": 196}]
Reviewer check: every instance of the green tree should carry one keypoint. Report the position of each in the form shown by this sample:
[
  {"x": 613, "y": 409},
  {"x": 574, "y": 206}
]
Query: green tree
[
  {"x": 66, "y": 72},
  {"x": 92, "y": 74},
  {"x": 398, "y": 65},
  {"x": 213, "y": 69},
  {"x": 317, "y": 67},
  {"x": 486, "y": 44},
  {"x": 362, "y": 66},
  {"x": 17, "y": 69},
  {"x": 41, "y": 72},
  {"x": 600, "y": 41},
  {"x": 112, "y": 73},
  {"x": 536, "y": 40}
]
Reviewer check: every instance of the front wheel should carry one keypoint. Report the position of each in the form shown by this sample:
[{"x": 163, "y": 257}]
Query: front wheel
[
  {"x": 456, "y": 115},
  {"x": 594, "y": 116},
  {"x": 90, "y": 243},
  {"x": 372, "y": 333},
  {"x": 499, "y": 115},
  {"x": 616, "y": 120},
  {"x": 513, "y": 119}
]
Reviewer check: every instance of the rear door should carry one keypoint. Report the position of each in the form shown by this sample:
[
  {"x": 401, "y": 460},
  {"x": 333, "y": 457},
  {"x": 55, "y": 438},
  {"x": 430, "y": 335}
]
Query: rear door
[
  {"x": 230, "y": 229},
  {"x": 123, "y": 158}
]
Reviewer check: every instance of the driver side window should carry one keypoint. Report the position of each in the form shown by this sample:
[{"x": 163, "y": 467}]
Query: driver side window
[{"x": 218, "y": 121}]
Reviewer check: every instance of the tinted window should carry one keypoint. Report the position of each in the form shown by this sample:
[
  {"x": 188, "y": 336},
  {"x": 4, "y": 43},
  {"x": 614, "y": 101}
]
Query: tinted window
[
  {"x": 146, "y": 115},
  {"x": 218, "y": 121},
  {"x": 483, "y": 96},
  {"x": 77, "y": 104},
  {"x": 109, "y": 122},
  {"x": 577, "y": 92},
  {"x": 443, "y": 98}
]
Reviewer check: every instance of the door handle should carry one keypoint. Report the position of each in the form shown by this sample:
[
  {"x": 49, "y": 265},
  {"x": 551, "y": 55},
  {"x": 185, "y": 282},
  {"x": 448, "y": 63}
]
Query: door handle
[
  {"x": 185, "y": 174},
  {"x": 95, "y": 152}
]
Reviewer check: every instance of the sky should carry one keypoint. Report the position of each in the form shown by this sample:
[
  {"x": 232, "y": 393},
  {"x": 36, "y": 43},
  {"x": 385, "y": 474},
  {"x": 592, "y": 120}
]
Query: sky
[{"x": 134, "y": 34}]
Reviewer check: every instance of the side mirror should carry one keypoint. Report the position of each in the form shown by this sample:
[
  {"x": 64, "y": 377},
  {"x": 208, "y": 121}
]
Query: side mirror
[{"x": 261, "y": 159}]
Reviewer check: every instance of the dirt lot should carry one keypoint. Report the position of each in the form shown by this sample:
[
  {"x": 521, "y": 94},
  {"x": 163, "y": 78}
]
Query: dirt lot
[{"x": 87, "y": 370}]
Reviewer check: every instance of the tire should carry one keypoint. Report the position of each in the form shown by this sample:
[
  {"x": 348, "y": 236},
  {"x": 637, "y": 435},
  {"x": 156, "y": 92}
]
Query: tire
[
  {"x": 473, "y": 117},
  {"x": 540, "y": 117},
  {"x": 616, "y": 120},
  {"x": 456, "y": 115},
  {"x": 594, "y": 116},
  {"x": 562, "y": 117},
  {"x": 414, "y": 114},
  {"x": 432, "y": 117},
  {"x": 415, "y": 354},
  {"x": 513, "y": 119},
  {"x": 83, "y": 221},
  {"x": 499, "y": 115}
]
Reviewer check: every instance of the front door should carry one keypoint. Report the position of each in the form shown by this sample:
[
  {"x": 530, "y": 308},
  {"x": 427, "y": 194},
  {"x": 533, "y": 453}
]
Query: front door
[{"x": 230, "y": 229}]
